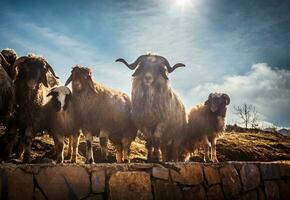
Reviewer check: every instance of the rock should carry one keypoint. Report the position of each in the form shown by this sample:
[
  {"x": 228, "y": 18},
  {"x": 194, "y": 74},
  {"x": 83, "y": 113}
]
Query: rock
[
  {"x": 215, "y": 193},
  {"x": 230, "y": 180},
  {"x": 140, "y": 166},
  {"x": 94, "y": 197},
  {"x": 270, "y": 171},
  {"x": 160, "y": 172},
  {"x": 252, "y": 195},
  {"x": 38, "y": 195},
  {"x": 20, "y": 185},
  {"x": 250, "y": 176},
  {"x": 212, "y": 175},
  {"x": 261, "y": 194},
  {"x": 196, "y": 192},
  {"x": 271, "y": 190},
  {"x": 190, "y": 174},
  {"x": 130, "y": 185},
  {"x": 285, "y": 170},
  {"x": 98, "y": 181},
  {"x": 284, "y": 186},
  {"x": 165, "y": 190},
  {"x": 64, "y": 182}
]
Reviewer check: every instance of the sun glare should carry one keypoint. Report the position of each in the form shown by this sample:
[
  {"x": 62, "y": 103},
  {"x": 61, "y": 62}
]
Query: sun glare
[{"x": 182, "y": 3}]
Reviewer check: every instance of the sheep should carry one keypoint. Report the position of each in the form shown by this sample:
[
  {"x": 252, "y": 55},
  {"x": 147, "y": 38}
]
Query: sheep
[
  {"x": 103, "y": 112},
  {"x": 10, "y": 56},
  {"x": 157, "y": 110},
  {"x": 58, "y": 113},
  {"x": 32, "y": 83},
  {"x": 7, "y": 93},
  {"x": 205, "y": 123}
]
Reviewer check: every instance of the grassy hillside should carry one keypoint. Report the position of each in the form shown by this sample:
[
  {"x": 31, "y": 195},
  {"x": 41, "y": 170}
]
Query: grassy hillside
[{"x": 231, "y": 146}]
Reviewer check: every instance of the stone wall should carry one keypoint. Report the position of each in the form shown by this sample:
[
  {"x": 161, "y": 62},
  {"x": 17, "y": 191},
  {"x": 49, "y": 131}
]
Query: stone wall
[{"x": 231, "y": 180}]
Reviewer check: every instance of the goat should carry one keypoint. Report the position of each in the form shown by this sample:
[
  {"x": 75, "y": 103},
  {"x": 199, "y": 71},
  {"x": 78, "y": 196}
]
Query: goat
[
  {"x": 205, "y": 123},
  {"x": 58, "y": 113},
  {"x": 157, "y": 110},
  {"x": 7, "y": 92},
  {"x": 102, "y": 112},
  {"x": 10, "y": 56},
  {"x": 31, "y": 84}
]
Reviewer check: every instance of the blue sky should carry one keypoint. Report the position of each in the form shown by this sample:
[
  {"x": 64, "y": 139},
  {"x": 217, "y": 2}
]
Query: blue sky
[{"x": 239, "y": 47}]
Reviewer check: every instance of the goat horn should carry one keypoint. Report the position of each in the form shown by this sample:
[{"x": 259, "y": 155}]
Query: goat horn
[
  {"x": 227, "y": 98},
  {"x": 134, "y": 64},
  {"x": 3, "y": 60},
  {"x": 51, "y": 70},
  {"x": 68, "y": 80},
  {"x": 168, "y": 66},
  {"x": 18, "y": 62}
]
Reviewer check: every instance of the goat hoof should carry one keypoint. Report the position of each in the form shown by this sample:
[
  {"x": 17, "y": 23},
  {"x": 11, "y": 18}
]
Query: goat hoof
[
  {"x": 59, "y": 161},
  {"x": 91, "y": 161},
  {"x": 155, "y": 160},
  {"x": 26, "y": 159}
]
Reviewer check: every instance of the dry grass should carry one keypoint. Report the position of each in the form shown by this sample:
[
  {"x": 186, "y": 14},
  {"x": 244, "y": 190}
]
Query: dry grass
[
  {"x": 231, "y": 146},
  {"x": 253, "y": 147}
]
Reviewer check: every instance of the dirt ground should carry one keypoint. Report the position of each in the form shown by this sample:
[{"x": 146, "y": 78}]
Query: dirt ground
[{"x": 231, "y": 146}]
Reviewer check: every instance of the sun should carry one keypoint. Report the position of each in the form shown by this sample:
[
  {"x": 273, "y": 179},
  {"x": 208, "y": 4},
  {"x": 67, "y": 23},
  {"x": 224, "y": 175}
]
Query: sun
[{"x": 182, "y": 3}]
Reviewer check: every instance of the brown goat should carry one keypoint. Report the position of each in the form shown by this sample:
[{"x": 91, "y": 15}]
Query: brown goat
[
  {"x": 10, "y": 56},
  {"x": 7, "y": 92},
  {"x": 59, "y": 117},
  {"x": 157, "y": 110},
  {"x": 32, "y": 84},
  {"x": 102, "y": 112},
  {"x": 205, "y": 123}
]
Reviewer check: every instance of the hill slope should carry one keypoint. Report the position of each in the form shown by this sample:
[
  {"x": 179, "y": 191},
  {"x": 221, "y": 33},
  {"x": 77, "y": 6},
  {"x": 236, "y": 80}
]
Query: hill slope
[{"x": 231, "y": 146}]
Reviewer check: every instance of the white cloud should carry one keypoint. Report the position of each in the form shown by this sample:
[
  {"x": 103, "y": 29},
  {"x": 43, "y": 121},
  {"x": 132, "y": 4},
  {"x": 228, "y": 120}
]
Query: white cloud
[{"x": 265, "y": 87}]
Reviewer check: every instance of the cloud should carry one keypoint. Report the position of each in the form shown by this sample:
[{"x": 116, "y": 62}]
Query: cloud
[
  {"x": 213, "y": 40},
  {"x": 265, "y": 87}
]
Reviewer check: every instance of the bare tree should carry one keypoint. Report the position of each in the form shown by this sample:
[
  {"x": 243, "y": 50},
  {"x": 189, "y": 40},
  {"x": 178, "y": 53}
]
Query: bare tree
[
  {"x": 248, "y": 115},
  {"x": 254, "y": 121}
]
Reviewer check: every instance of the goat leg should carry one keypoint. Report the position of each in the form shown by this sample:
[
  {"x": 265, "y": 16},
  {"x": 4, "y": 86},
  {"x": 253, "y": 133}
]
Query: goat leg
[
  {"x": 126, "y": 149},
  {"x": 70, "y": 148},
  {"x": 89, "y": 151},
  {"x": 75, "y": 144},
  {"x": 104, "y": 145},
  {"x": 27, "y": 142},
  {"x": 213, "y": 151},
  {"x": 59, "y": 143},
  {"x": 119, "y": 153}
]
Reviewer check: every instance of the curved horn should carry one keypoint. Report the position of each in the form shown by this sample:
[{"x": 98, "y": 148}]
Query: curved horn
[
  {"x": 134, "y": 64},
  {"x": 3, "y": 61},
  {"x": 68, "y": 80},
  {"x": 18, "y": 62},
  {"x": 227, "y": 98},
  {"x": 51, "y": 70},
  {"x": 168, "y": 66},
  {"x": 211, "y": 95}
]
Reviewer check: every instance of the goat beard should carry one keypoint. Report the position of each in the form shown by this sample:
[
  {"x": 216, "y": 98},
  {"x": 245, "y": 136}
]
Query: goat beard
[
  {"x": 148, "y": 96},
  {"x": 147, "y": 102}
]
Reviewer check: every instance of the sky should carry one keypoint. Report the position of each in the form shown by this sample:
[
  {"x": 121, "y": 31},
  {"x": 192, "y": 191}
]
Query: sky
[{"x": 237, "y": 47}]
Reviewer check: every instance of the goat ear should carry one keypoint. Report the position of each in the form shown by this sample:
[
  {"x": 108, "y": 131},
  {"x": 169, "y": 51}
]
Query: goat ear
[
  {"x": 68, "y": 80},
  {"x": 44, "y": 80},
  {"x": 163, "y": 73},
  {"x": 137, "y": 71},
  {"x": 92, "y": 85},
  {"x": 226, "y": 98},
  {"x": 207, "y": 102},
  {"x": 50, "y": 93},
  {"x": 208, "y": 99}
]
